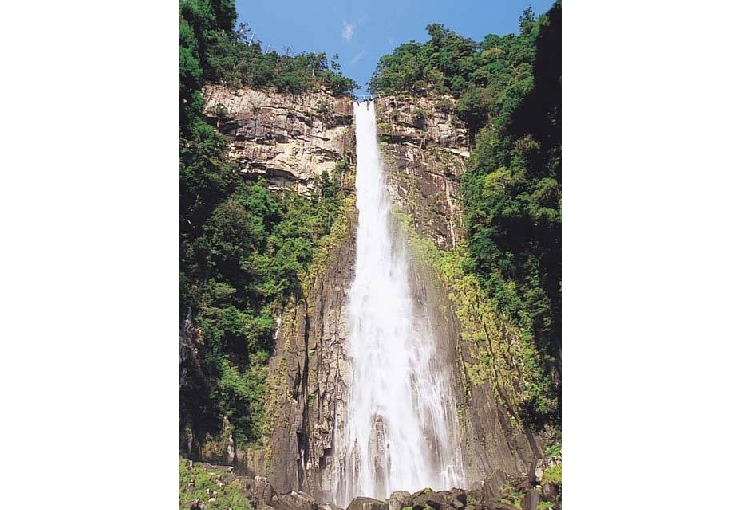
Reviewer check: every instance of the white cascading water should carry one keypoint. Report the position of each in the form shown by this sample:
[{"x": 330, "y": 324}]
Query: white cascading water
[{"x": 401, "y": 427}]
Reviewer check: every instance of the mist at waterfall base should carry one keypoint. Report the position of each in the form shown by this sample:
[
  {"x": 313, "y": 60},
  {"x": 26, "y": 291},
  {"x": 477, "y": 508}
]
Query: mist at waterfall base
[{"x": 401, "y": 428}]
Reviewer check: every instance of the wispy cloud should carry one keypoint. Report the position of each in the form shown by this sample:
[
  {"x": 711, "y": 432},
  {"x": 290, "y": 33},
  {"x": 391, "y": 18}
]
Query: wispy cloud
[
  {"x": 357, "y": 57},
  {"x": 349, "y": 28},
  {"x": 347, "y": 31}
]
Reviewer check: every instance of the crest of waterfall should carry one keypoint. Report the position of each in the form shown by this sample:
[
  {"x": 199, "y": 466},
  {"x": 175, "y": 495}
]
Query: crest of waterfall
[{"x": 401, "y": 431}]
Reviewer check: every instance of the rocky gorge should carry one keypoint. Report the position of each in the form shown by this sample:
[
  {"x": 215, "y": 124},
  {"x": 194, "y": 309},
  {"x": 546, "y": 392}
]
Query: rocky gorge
[
  {"x": 214, "y": 486},
  {"x": 289, "y": 140}
]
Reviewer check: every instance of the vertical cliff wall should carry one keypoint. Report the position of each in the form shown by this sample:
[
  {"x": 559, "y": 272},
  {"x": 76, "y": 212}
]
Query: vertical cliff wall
[
  {"x": 290, "y": 140},
  {"x": 308, "y": 385},
  {"x": 287, "y": 139},
  {"x": 425, "y": 150}
]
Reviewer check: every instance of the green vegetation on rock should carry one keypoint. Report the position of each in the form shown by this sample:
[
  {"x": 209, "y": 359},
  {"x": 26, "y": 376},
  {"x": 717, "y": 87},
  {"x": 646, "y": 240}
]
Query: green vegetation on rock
[
  {"x": 495, "y": 349},
  {"x": 553, "y": 450},
  {"x": 237, "y": 274},
  {"x": 212, "y": 49},
  {"x": 242, "y": 248},
  {"x": 510, "y": 495},
  {"x": 204, "y": 482},
  {"x": 512, "y": 209},
  {"x": 552, "y": 474},
  {"x": 508, "y": 93}
]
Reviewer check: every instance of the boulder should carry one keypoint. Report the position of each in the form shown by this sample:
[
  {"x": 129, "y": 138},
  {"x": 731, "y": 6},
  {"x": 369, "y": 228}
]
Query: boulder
[
  {"x": 492, "y": 504},
  {"x": 294, "y": 501},
  {"x": 475, "y": 493},
  {"x": 362, "y": 503},
  {"x": 550, "y": 491},
  {"x": 437, "y": 500},
  {"x": 262, "y": 490},
  {"x": 458, "y": 498},
  {"x": 419, "y": 500},
  {"x": 399, "y": 499}
]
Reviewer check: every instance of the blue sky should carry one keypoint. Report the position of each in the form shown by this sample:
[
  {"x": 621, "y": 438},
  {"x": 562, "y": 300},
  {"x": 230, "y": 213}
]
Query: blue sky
[{"x": 360, "y": 32}]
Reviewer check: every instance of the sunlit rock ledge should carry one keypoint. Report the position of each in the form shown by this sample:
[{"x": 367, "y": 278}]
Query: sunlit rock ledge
[{"x": 287, "y": 139}]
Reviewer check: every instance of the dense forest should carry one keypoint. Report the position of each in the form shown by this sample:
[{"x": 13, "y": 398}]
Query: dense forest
[
  {"x": 242, "y": 248},
  {"x": 508, "y": 94}
]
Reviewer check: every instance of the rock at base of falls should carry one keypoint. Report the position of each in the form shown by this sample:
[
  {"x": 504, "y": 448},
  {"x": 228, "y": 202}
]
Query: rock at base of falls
[
  {"x": 294, "y": 501},
  {"x": 262, "y": 490},
  {"x": 398, "y": 500},
  {"x": 361, "y": 503},
  {"x": 497, "y": 492},
  {"x": 437, "y": 500}
]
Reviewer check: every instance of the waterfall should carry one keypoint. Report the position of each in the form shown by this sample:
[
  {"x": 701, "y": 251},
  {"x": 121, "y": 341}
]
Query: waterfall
[{"x": 400, "y": 432}]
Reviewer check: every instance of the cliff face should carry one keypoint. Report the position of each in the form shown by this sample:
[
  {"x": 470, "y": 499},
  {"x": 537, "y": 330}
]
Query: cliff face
[
  {"x": 425, "y": 150},
  {"x": 308, "y": 385},
  {"x": 289, "y": 140}
]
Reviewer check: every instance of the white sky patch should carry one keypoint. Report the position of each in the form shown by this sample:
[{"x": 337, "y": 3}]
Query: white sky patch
[
  {"x": 347, "y": 31},
  {"x": 357, "y": 57}
]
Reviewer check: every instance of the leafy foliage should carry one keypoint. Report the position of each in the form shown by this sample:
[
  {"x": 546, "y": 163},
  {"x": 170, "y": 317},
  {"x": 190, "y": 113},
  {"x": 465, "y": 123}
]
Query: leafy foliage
[
  {"x": 242, "y": 248},
  {"x": 237, "y": 273},
  {"x": 552, "y": 474},
  {"x": 236, "y": 59},
  {"x": 553, "y": 450},
  {"x": 451, "y": 64},
  {"x": 212, "y": 50},
  {"x": 512, "y": 205},
  {"x": 200, "y": 481},
  {"x": 508, "y": 91}
]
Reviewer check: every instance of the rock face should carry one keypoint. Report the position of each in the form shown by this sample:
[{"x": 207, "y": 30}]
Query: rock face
[
  {"x": 290, "y": 140},
  {"x": 398, "y": 500},
  {"x": 312, "y": 347},
  {"x": 287, "y": 139},
  {"x": 191, "y": 383},
  {"x": 425, "y": 149},
  {"x": 493, "y": 483}
]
